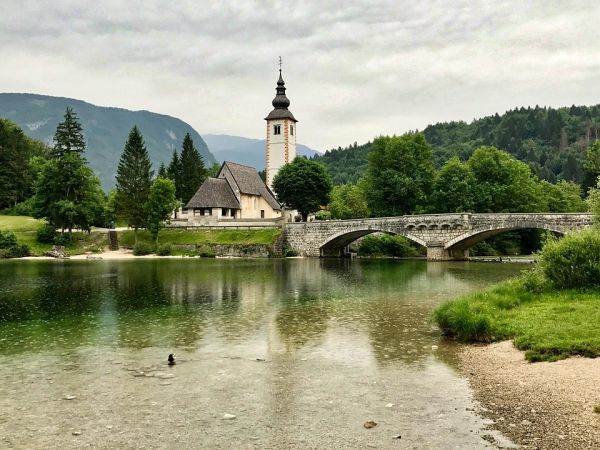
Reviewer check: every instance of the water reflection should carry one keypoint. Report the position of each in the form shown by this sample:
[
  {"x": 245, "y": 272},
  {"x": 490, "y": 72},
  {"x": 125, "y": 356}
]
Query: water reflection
[{"x": 289, "y": 305}]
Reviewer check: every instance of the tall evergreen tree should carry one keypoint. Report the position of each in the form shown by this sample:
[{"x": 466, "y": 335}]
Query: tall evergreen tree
[
  {"x": 134, "y": 178},
  {"x": 193, "y": 172},
  {"x": 174, "y": 173},
  {"x": 69, "y": 136},
  {"x": 162, "y": 171},
  {"x": 68, "y": 193}
]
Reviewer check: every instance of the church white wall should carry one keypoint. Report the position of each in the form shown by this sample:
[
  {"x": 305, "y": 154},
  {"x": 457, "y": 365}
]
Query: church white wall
[{"x": 276, "y": 151}]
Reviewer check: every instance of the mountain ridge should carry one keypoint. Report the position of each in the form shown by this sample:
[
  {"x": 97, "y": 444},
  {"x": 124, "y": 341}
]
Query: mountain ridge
[{"x": 105, "y": 129}]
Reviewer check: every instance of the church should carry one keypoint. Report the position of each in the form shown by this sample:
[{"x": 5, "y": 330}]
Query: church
[{"x": 238, "y": 193}]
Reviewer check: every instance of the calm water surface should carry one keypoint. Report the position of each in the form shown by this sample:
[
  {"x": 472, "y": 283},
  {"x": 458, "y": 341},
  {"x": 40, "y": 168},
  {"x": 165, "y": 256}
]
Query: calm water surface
[{"x": 301, "y": 351}]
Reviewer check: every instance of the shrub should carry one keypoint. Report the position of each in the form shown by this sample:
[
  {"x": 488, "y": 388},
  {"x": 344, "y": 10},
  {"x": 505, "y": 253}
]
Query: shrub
[
  {"x": 206, "y": 252},
  {"x": 142, "y": 248},
  {"x": 164, "y": 250},
  {"x": 288, "y": 252},
  {"x": 534, "y": 280},
  {"x": 25, "y": 208},
  {"x": 62, "y": 239},
  {"x": 18, "y": 251},
  {"x": 8, "y": 239},
  {"x": 46, "y": 234},
  {"x": 386, "y": 245},
  {"x": 323, "y": 215},
  {"x": 573, "y": 261}
]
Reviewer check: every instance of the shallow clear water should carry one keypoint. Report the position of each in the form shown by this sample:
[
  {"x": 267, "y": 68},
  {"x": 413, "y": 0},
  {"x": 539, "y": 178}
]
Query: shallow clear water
[{"x": 338, "y": 341}]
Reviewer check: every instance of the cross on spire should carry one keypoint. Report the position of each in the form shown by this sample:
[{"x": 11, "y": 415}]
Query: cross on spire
[{"x": 280, "y": 64}]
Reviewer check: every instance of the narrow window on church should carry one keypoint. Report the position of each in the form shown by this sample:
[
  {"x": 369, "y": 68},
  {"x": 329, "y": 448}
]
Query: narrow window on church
[
  {"x": 292, "y": 130},
  {"x": 277, "y": 129},
  {"x": 262, "y": 213}
]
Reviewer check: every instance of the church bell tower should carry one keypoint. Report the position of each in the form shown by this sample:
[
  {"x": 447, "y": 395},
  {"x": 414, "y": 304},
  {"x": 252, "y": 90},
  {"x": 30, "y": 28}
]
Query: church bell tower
[{"x": 281, "y": 132}]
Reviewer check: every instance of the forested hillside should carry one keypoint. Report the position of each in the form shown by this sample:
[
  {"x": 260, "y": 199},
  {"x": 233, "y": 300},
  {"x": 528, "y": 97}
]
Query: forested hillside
[{"x": 551, "y": 141}]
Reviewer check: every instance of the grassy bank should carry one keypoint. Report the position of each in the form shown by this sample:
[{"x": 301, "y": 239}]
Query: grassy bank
[
  {"x": 25, "y": 229},
  {"x": 203, "y": 237},
  {"x": 81, "y": 243},
  {"x": 548, "y": 325},
  {"x": 19, "y": 223}
]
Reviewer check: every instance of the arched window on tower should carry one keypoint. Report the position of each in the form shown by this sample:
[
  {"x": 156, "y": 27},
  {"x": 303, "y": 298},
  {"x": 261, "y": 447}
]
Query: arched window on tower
[
  {"x": 291, "y": 129},
  {"x": 276, "y": 129}
]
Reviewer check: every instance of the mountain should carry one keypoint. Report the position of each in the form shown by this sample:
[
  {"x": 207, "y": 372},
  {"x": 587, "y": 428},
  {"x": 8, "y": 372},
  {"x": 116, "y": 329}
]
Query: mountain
[
  {"x": 105, "y": 129},
  {"x": 250, "y": 152},
  {"x": 553, "y": 142}
]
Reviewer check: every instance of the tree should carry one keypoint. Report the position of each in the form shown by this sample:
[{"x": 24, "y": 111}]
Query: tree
[
  {"x": 591, "y": 165},
  {"x": 68, "y": 137},
  {"x": 68, "y": 194},
  {"x": 213, "y": 171},
  {"x": 399, "y": 174},
  {"x": 134, "y": 178},
  {"x": 453, "y": 188},
  {"x": 17, "y": 173},
  {"x": 565, "y": 196},
  {"x": 503, "y": 184},
  {"x": 593, "y": 202},
  {"x": 193, "y": 172},
  {"x": 162, "y": 171},
  {"x": 174, "y": 173},
  {"x": 349, "y": 201},
  {"x": 160, "y": 205},
  {"x": 303, "y": 185}
]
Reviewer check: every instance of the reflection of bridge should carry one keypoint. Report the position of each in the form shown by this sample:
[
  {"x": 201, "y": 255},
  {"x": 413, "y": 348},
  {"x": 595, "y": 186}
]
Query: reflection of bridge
[{"x": 446, "y": 236}]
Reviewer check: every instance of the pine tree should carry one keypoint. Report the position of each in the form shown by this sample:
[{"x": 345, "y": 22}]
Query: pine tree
[
  {"x": 134, "y": 178},
  {"x": 193, "y": 172},
  {"x": 68, "y": 137},
  {"x": 174, "y": 173},
  {"x": 162, "y": 171}
]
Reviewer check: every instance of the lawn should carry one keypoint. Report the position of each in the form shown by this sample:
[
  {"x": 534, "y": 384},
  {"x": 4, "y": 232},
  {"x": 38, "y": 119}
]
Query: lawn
[
  {"x": 19, "y": 223},
  {"x": 265, "y": 236},
  {"x": 94, "y": 242},
  {"x": 548, "y": 325}
]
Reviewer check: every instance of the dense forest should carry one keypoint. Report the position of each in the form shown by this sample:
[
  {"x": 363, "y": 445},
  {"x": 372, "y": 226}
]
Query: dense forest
[{"x": 552, "y": 142}]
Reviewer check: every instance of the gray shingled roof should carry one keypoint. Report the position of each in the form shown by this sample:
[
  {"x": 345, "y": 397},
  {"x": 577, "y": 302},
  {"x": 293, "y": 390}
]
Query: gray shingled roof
[
  {"x": 281, "y": 113},
  {"x": 249, "y": 182},
  {"x": 214, "y": 193}
]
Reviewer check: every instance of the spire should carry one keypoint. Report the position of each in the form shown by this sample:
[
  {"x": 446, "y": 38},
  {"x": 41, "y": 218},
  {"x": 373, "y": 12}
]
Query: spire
[{"x": 280, "y": 102}]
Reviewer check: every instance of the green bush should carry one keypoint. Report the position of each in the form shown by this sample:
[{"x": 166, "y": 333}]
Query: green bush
[
  {"x": 288, "y": 252},
  {"x": 46, "y": 234},
  {"x": 25, "y": 208},
  {"x": 142, "y": 248},
  {"x": 62, "y": 239},
  {"x": 8, "y": 239},
  {"x": 206, "y": 252},
  {"x": 164, "y": 250},
  {"x": 323, "y": 215},
  {"x": 573, "y": 261},
  {"x": 386, "y": 245},
  {"x": 18, "y": 251}
]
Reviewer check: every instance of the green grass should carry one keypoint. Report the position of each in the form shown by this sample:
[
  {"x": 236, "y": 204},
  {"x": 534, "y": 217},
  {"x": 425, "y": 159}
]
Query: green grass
[
  {"x": 19, "y": 223},
  {"x": 81, "y": 243},
  {"x": 204, "y": 237},
  {"x": 548, "y": 325}
]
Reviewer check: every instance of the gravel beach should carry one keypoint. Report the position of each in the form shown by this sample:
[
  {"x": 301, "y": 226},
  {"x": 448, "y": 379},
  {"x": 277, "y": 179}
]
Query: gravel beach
[{"x": 538, "y": 405}]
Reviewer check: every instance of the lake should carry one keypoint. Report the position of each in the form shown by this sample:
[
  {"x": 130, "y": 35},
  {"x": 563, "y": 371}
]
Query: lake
[{"x": 301, "y": 351}]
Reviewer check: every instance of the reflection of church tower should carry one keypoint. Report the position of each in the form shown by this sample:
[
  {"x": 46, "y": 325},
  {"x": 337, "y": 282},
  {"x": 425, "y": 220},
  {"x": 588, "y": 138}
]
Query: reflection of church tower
[{"x": 281, "y": 133}]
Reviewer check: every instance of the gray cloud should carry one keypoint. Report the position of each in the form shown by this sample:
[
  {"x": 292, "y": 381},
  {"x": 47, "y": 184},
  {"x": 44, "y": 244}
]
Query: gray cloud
[{"x": 353, "y": 70}]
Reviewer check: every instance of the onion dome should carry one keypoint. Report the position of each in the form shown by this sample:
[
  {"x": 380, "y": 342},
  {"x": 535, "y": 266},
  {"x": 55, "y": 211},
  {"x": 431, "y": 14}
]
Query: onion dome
[{"x": 280, "y": 103}]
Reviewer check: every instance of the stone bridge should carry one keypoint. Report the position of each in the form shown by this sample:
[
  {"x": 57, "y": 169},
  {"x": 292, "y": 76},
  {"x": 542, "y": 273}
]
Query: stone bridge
[{"x": 446, "y": 236}]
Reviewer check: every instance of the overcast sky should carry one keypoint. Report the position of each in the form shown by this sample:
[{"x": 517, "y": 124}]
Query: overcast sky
[{"x": 352, "y": 72}]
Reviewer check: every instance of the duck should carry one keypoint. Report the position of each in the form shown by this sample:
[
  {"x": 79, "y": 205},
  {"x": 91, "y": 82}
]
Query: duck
[{"x": 171, "y": 359}]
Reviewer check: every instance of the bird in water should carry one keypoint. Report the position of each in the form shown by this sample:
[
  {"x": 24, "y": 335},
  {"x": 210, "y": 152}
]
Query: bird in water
[{"x": 171, "y": 359}]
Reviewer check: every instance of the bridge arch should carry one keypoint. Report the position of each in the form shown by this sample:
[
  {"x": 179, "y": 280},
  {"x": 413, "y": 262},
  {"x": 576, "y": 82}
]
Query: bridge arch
[
  {"x": 472, "y": 237},
  {"x": 335, "y": 244}
]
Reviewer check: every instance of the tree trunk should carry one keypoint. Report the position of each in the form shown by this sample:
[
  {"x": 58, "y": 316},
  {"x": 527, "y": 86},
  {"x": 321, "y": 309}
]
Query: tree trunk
[{"x": 304, "y": 216}]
